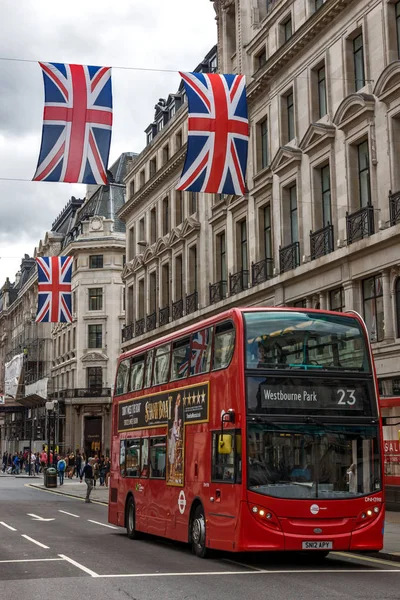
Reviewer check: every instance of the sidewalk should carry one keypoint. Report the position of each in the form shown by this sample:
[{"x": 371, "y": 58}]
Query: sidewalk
[{"x": 73, "y": 487}]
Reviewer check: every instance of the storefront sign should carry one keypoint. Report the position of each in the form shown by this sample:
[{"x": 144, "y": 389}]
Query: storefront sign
[{"x": 160, "y": 409}]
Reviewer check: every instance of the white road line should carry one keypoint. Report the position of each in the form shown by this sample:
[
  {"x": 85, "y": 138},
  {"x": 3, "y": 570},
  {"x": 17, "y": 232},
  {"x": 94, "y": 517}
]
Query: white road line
[
  {"x": 207, "y": 573},
  {"x": 104, "y": 525},
  {"x": 34, "y": 541},
  {"x": 78, "y": 565},
  {"x": 8, "y": 526},
  {"x": 24, "y": 560},
  {"x": 67, "y": 513}
]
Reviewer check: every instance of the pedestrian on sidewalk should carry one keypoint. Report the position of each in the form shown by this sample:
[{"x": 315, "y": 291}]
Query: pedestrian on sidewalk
[
  {"x": 61, "y": 466},
  {"x": 107, "y": 468},
  {"x": 88, "y": 474}
]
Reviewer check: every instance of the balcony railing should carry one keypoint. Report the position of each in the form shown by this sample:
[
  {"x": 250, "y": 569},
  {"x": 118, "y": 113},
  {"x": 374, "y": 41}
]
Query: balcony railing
[
  {"x": 191, "y": 303},
  {"x": 163, "y": 316},
  {"x": 177, "y": 309},
  {"x": 238, "y": 282},
  {"x": 95, "y": 392},
  {"x": 360, "y": 224},
  {"x": 151, "y": 321},
  {"x": 139, "y": 327},
  {"x": 262, "y": 270},
  {"x": 321, "y": 241},
  {"x": 289, "y": 257},
  {"x": 394, "y": 208},
  {"x": 217, "y": 291},
  {"x": 128, "y": 332}
]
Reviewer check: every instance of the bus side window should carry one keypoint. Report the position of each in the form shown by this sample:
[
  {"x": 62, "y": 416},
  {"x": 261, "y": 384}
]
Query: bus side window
[
  {"x": 137, "y": 371},
  {"x": 224, "y": 345},
  {"x": 121, "y": 386},
  {"x": 161, "y": 364},
  {"x": 122, "y": 453},
  {"x": 180, "y": 359},
  {"x": 132, "y": 458},
  {"x": 201, "y": 351},
  {"x": 223, "y": 457},
  {"x": 149, "y": 368},
  {"x": 144, "y": 462},
  {"x": 158, "y": 447}
]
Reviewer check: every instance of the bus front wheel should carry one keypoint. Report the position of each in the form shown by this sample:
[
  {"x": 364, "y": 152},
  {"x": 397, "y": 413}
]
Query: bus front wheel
[
  {"x": 198, "y": 533},
  {"x": 131, "y": 520}
]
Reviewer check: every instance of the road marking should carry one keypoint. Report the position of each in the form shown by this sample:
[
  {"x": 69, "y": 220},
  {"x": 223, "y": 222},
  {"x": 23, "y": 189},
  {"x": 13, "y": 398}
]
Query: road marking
[
  {"x": 366, "y": 558},
  {"x": 24, "y": 560},
  {"x": 261, "y": 572},
  {"x": 67, "y": 513},
  {"x": 8, "y": 526},
  {"x": 34, "y": 541},
  {"x": 37, "y": 518},
  {"x": 34, "y": 487},
  {"x": 104, "y": 525},
  {"x": 78, "y": 565}
]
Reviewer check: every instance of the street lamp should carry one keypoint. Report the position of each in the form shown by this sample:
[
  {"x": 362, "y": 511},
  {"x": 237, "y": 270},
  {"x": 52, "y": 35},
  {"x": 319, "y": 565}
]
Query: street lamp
[{"x": 49, "y": 408}]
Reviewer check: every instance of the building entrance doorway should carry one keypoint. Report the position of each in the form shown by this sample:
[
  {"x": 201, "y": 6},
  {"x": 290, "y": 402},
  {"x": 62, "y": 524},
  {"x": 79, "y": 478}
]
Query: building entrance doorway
[{"x": 92, "y": 441}]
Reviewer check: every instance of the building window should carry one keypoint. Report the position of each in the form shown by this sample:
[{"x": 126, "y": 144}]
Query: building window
[
  {"x": 261, "y": 59},
  {"x": 398, "y": 306},
  {"x": 153, "y": 225},
  {"x": 149, "y": 137},
  {"x": 142, "y": 237},
  {"x": 153, "y": 292},
  {"x": 326, "y": 196},
  {"x": 192, "y": 202},
  {"x": 264, "y": 143},
  {"x": 364, "y": 184},
  {"x": 221, "y": 256},
  {"x": 358, "y": 54},
  {"x": 287, "y": 29},
  {"x": 95, "y": 335},
  {"x": 153, "y": 167},
  {"x": 160, "y": 125},
  {"x": 290, "y": 116},
  {"x": 192, "y": 269},
  {"x": 397, "y": 7},
  {"x": 96, "y": 261},
  {"x": 141, "y": 299},
  {"x": 178, "y": 140},
  {"x": 165, "y": 152},
  {"x": 322, "y": 109},
  {"x": 243, "y": 258},
  {"x": 213, "y": 64},
  {"x": 95, "y": 299},
  {"x": 267, "y": 232},
  {"x": 142, "y": 178},
  {"x": 294, "y": 226},
  {"x": 165, "y": 205},
  {"x": 131, "y": 243},
  {"x": 178, "y": 278},
  {"x": 373, "y": 307},
  {"x": 336, "y": 300},
  {"x": 165, "y": 285},
  {"x": 131, "y": 188},
  {"x": 178, "y": 207},
  {"x": 94, "y": 378},
  {"x": 172, "y": 111}
]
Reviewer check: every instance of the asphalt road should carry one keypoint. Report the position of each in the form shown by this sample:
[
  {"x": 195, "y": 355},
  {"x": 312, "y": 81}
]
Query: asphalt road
[{"x": 55, "y": 548}]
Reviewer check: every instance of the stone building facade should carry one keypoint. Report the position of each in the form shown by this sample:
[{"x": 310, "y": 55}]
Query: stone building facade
[{"x": 320, "y": 224}]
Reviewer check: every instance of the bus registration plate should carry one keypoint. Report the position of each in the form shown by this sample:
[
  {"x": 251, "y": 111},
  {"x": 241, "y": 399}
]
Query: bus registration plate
[{"x": 317, "y": 545}]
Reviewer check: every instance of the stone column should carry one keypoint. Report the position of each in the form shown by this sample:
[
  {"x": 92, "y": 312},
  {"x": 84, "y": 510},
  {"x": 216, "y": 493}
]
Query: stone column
[
  {"x": 349, "y": 295},
  {"x": 309, "y": 302},
  {"x": 323, "y": 303},
  {"x": 387, "y": 306}
]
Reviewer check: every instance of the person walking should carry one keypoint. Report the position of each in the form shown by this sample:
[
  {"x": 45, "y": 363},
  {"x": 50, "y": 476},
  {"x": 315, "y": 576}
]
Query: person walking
[
  {"x": 5, "y": 459},
  {"x": 88, "y": 474},
  {"x": 61, "y": 466},
  {"x": 107, "y": 468}
]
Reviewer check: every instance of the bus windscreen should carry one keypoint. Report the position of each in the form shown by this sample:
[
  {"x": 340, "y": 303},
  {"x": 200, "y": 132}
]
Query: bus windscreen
[{"x": 305, "y": 341}]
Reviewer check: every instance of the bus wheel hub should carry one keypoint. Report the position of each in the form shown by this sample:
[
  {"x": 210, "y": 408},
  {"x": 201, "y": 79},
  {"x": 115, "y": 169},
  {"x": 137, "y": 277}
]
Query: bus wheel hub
[{"x": 198, "y": 531}]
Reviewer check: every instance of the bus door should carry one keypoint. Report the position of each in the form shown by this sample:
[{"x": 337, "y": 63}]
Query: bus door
[{"x": 224, "y": 492}]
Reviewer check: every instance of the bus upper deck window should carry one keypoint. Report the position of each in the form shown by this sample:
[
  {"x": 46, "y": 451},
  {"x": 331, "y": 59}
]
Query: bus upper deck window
[
  {"x": 149, "y": 368},
  {"x": 180, "y": 359},
  {"x": 224, "y": 345},
  {"x": 161, "y": 364},
  {"x": 121, "y": 386},
  {"x": 137, "y": 371}
]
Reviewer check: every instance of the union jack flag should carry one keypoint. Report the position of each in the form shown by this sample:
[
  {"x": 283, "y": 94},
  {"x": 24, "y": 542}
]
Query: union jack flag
[
  {"x": 77, "y": 122},
  {"x": 200, "y": 345},
  {"x": 54, "y": 289},
  {"x": 218, "y": 134}
]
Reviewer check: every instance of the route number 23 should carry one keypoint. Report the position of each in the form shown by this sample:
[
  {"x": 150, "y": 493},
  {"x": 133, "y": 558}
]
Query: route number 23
[{"x": 346, "y": 397}]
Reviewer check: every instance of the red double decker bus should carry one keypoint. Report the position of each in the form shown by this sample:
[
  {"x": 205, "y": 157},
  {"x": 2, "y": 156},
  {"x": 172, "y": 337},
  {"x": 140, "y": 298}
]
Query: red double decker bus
[{"x": 257, "y": 429}]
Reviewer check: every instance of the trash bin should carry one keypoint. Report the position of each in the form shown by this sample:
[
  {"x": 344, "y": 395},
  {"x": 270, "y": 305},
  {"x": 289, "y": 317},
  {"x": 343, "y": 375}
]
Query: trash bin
[{"x": 50, "y": 478}]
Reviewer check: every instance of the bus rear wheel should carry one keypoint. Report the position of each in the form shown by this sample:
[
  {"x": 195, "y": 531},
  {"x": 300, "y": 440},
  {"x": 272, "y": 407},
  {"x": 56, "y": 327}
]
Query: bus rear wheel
[
  {"x": 130, "y": 520},
  {"x": 198, "y": 533}
]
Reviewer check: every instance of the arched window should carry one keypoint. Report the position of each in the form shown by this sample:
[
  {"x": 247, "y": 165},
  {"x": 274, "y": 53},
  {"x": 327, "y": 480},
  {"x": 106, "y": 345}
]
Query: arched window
[{"x": 397, "y": 289}]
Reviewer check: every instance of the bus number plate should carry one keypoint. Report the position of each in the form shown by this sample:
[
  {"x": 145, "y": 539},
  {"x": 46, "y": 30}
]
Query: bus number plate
[{"x": 317, "y": 545}]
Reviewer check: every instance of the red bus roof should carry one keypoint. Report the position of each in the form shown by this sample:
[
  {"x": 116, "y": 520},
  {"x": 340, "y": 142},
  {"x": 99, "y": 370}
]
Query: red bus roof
[{"x": 223, "y": 316}]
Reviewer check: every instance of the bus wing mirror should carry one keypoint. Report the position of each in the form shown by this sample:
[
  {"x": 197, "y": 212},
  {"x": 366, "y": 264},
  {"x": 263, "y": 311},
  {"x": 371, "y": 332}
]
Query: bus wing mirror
[{"x": 224, "y": 444}]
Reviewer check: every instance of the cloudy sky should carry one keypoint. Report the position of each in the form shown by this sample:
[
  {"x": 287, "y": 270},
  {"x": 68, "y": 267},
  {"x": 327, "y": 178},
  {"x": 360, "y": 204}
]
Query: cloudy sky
[{"x": 154, "y": 34}]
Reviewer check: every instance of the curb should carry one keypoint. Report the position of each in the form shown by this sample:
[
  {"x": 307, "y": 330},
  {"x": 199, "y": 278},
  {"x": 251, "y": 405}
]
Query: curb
[
  {"x": 54, "y": 491},
  {"x": 383, "y": 555}
]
